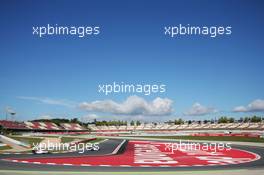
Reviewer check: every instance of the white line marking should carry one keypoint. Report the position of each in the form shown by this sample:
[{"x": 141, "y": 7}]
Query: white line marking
[
  {"x": 125, "y": 165},
  {"x": 36, "y": 163},
  {"x": 145, "y": 166},
  {"x": 51, "y": 163},
  {"x": 118, "y": 147},
  {"x": 103, "y": 141},
  {"x": 164, "y": 166},
  {"x": 85, "y": 165},
  {"x": 182, "y": 165}
]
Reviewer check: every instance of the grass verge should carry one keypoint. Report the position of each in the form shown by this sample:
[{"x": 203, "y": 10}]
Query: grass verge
[
  {"x": 5, "y": 147},
  {"x": 211, "y": 138},
  {"x": 27, "y": 140}
]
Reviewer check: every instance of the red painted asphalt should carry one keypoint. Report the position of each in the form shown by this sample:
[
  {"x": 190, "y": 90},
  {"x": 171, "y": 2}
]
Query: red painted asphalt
[{"x": 157, "y": 154}]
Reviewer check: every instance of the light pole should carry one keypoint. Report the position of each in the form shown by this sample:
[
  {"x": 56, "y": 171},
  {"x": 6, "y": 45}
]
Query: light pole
[{"x": 10, "y": 111}]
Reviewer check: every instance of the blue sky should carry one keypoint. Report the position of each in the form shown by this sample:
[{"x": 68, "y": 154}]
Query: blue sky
[{"x": 40, "y": 75}]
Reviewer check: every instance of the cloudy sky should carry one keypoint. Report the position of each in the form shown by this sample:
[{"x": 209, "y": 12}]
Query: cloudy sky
[{"x": 58, "y": 76}]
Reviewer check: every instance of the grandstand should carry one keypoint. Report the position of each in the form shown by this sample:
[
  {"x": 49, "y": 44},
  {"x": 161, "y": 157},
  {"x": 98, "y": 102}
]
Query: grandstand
[
  {"x": 40, "y": 126},
  {"x": 62, "y": 126},
  {"x": 180, "y": 127},
  {"x": 12, "y": 125},
  {"x": 72, "y": 126}
]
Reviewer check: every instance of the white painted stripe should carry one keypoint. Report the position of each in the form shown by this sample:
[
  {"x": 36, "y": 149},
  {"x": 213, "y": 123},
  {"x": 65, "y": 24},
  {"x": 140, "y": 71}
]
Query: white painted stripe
[
  {"x": 164, "y": 165},
  {"x": 49, "y": 163},
  {"x": 118, "y": 147},
  {"x": 125, "y": 165},
  {"x": 145, "y": 166},
  {"x": 85, "y": 165},
  {"x": 182, "y": 165},
  {"x": 23, "y": 161},
  {"x": 104, "y": 165},
  {"x": 67, "y": 164},
  {"x": 103, "y": 141},
  {"x": 36, "y": 162}
]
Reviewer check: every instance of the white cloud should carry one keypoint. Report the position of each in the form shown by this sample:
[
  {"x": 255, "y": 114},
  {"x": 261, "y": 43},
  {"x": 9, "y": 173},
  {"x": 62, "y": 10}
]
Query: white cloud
[
  {"x": 89, "y": 117},
  {"x": 50, "y": 101},
  {"x": 198, "y": 109},
  {"x": 240, "y": 109},
  {"x": 133, "y": 105},
  {"x": 254, "y": 106}
]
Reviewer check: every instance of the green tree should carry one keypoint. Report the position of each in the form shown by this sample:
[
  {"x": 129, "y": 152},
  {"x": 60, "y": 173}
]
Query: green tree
[
  {"x": 231, "y": 120},
  {"x": 223, "y": 119},
  {"x": 255, "y": 119},
  {"x": 178, "y": 121},
  {"x": 74, "y": 120}
]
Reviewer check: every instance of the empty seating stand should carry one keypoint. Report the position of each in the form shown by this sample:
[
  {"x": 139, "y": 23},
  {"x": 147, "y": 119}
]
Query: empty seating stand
[
  {"x": 12, "y": 124},
  {"x": 72, "y": 126},
  {"x": 42, "y": 126},
  {"x": 149, "y": 127}
]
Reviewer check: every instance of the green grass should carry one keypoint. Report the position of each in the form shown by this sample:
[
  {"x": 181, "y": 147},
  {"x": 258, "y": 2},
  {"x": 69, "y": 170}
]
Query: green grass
[
  {"x": 211, "y": 138},
  {"x": 67, "y": 139},
  {"x": 70, "y": 139},
  {"x": 96, "y": 140},
  {"x": 5, "y": 147},
  {"x": 27, "y": 140}
]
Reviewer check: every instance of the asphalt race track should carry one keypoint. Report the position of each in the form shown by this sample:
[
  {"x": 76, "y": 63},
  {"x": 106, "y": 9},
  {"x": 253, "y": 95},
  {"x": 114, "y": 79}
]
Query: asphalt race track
[{"x": 106, "y": 148}]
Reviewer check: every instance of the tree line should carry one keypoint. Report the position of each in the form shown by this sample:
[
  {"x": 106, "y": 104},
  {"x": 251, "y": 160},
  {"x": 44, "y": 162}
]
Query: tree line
[{"x": 222, "y": 119}]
